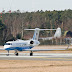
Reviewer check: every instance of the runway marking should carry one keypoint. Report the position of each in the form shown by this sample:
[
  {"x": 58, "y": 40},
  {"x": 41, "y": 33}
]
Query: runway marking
[
  {"x": 40, "y": 56},
  {"x": 53, "y": 58}
]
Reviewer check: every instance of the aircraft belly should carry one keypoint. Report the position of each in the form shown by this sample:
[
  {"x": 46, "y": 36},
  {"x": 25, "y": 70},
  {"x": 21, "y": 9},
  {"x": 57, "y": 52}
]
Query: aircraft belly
[{"x": 19, "y": 48}]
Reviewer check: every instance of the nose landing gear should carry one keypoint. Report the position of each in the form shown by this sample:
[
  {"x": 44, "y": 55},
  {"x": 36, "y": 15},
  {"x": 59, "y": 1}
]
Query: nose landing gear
[{"x": 8, "y": 53}]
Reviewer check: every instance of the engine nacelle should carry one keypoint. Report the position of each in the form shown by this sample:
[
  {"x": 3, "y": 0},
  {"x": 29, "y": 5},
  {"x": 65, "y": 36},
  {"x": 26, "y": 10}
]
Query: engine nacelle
[{"x": 31, "y": 42}]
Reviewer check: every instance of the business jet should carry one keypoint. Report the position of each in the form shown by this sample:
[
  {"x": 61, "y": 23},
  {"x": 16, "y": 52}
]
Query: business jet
[{"x": 27, "y": 45}]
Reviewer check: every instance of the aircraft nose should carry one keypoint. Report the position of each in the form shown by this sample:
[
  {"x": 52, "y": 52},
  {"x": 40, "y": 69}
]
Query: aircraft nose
[{"x": 6, "y": 46}]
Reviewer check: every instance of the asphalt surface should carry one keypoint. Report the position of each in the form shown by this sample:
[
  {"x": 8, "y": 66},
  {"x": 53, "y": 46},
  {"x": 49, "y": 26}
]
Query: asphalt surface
[{"x": 38, "y": 56}]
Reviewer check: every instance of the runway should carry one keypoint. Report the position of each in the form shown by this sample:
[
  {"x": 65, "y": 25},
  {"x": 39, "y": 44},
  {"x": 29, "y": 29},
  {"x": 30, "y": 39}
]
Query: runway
[{"x": 38, "y": 56}]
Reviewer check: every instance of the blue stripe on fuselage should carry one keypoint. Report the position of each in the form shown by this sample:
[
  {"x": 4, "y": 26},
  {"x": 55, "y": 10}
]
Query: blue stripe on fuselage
[{"x": 19, "y": 48}]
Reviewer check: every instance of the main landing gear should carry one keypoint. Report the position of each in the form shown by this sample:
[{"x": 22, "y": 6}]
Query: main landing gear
[
  {"x": 31, "y": 53},
  {"x": 16, "y": 53}
]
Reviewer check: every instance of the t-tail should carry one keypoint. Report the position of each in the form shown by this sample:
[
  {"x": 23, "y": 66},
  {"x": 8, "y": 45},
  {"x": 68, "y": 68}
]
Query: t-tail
[{"x": 36, "y": 32}]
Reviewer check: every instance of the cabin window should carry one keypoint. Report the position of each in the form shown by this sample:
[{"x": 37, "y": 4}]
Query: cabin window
[{"x": 8, "y": 43}]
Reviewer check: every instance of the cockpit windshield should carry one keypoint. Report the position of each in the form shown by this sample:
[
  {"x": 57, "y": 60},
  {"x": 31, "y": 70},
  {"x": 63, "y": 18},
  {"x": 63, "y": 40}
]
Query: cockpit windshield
[{"x": 8, "y": 43}]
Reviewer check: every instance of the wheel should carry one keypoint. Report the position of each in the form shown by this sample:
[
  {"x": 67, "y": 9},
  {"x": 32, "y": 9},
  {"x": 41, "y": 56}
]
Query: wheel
[
  {"x": 7, "y": 54},
  {"x": 16, "y": 54},
  {"x": 31, "y": 54}
]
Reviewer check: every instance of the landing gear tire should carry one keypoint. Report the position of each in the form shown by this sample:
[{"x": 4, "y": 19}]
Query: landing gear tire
[
  {"x": 31, "y": 54},
  {"x": 16, "y": 54},
  {"x": 8, "y": 53}
]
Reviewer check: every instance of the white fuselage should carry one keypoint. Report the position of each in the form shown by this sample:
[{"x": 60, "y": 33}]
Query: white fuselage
[{"x": 21, "y": 44}]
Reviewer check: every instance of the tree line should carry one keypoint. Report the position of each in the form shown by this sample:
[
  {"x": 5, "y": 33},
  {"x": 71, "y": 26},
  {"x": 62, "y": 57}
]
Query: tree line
[{"x": 12, "y": 25}]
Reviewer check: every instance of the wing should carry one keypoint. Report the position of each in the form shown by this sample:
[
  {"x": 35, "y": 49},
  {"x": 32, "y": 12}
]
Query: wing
[
  {"x": 47, "y": 49},
  {"x": 43, "y": 49},
  {"x": 2, "y": 49}
]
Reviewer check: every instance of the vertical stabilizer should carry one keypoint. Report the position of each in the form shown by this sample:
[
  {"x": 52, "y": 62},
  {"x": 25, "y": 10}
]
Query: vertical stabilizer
[{"x": 36, "y": 34}]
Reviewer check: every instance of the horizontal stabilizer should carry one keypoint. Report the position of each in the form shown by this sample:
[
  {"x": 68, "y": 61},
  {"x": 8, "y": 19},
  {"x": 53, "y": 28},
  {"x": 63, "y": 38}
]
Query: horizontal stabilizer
[
  {"x": 47, "y": 29},
  {"x": 40, "y": 29}
]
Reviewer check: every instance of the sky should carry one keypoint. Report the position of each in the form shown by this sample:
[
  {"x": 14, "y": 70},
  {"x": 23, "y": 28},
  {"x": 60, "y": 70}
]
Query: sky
[{"x": 35, "y": 5}]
